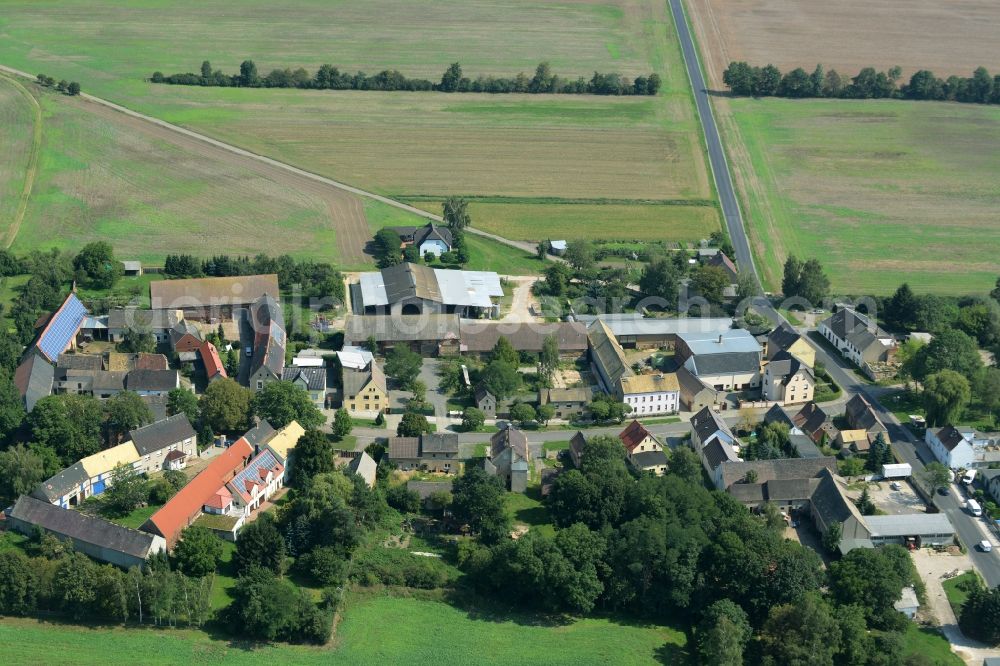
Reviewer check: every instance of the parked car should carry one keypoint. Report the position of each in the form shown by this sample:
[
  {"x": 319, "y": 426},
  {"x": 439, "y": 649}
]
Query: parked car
[
  {"x": 248, "y": 352},
  {"x": 895, "y": 485},
  {"x": 943, "y": 490},
  {"x": 985, "y": 546}
]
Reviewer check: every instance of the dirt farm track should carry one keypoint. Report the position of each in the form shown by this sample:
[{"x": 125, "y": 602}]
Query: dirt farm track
[{"x": 947, "y": 38}]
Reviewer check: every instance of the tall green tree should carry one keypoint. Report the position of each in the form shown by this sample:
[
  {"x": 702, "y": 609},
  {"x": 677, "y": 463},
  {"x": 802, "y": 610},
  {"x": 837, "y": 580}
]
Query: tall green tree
[
  {"x": 814, "y": 285},
  {"x": 260, "y": 544},
  {"x": 504, "y": 351},
  {"x": 478, "y": 500},
  {"x": 226, "y": 406},
  {"x": 580, "y": 254},
  {"x": 403, "y": 364},
  {"x": 280, "y": 403},
  {"x": 451, "y": 79},
  {"x": 412, "y": 424},
  {"x": 96, "y": 266},
  {"x": 67, "y": 423},
  {"x": 945, "y": 396},
  {"x": 660, "y": 278},
  {"x": 501, "y": 378},
  {"x": 803, "y": 633},
  {"x": 710, "y": 282},
  {"x": 126, "y": 490},
  {"x": 549, "y": 358},
  {"x": 198, "y": 552},
  {"x": 21, "y": 470},
  {"x": 791, "y": 282},
  {"x": 11, "y": 406},
  {"x": 313, "y": 456},
  {"x": 901, "y": 308},
  {"x": 126, "y": 411},
  {"x": 950, "y": 349},
  {"x": 456, "y": 213},
  {"x": 873, "y": 579},
  {"x": 183, "y": 401},
  {"x": 936, "y": 475},
  {"x": 388, "y": 248},
  {"x": 722, "y": 634},
  {"x": 342, "y": 423}
]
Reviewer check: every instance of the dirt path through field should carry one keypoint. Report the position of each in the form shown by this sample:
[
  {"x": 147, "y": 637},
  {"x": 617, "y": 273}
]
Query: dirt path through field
[{"x": 32, "y": 167}]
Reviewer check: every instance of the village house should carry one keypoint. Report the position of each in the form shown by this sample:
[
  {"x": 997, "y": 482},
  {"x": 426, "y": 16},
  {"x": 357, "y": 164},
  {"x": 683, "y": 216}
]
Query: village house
[
  {"x": 569, "y": 403},
  {"x": 267, "y": 324},
  {"x": 211, "y": 362},
  {"x": 815, "y": 423},
  {"x": 509, "y": 458},
  {"x": 643, "y": 451},
  {"x": 428, "y": 239},
  {"x": 857, "y": 337},
  {"x": 694, "y": 394},
  {"x": 34, "y": 379},
  {"x": 784, "y": 338},
  {"x": 860, "y": 415},
  {"x": 58, "y": 332},
  {"x": 485, "y": 401},
  {"x": 353, "y": 358},
  {"x": 185, "y": 339},
  {"x": 649, "y": 395},
  {"x": 87, "y": 477},
  {"x": 431, "y": 452},
  {"x": 951, "y": 446},
  {"x": 365, "y": 391},
  {"x": 152, "y": 382},
  {"x": 414, "y": 289},
  {"x": 157, "y": 323},
  {"x": 607, "y": 358},
  {"x": 280, "y": 442},
  {"x": 576, "y": 444},
  {"x": 728, "y": 361},
  {"x": 310, "y": 380},
  {"x": 156, "y": 442},
  {"x": 205, "y": 492},
  {"x": 787, "y": 380},
  {"x": 92, "y": 536},
  {"x": 212, "y": 299}
]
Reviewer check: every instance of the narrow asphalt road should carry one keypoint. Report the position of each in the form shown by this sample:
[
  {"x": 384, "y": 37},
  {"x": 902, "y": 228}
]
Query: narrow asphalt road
[
  {"x": 907, "y": 448},
  {"x": 716, "y": 154}
]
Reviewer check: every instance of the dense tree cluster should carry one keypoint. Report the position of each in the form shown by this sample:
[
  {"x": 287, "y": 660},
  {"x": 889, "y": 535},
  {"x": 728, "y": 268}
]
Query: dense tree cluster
[
  {"x": 316, "y": 279},
  {"x": 746, "y": 80},
  {"x": 71, "y": 88},
  {"x": 57, "y": 580},
  {"x": 328, "y": 77},
  {"x": 805, "y": 280}
]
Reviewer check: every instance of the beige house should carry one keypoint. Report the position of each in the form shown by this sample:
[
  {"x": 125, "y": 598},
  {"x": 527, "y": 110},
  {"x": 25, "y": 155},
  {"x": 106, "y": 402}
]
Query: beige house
[
  {"x": 785, "y": 339},
  {"x": 787, "y": 380},
  {"x": 365, "y": 390},
  {"x": 645, "y": 453}
]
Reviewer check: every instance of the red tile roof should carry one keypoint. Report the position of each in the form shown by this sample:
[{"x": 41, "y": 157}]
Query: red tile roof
[
  {"x": 633, "y": 435},
  {"x": 186, "y": 505},
  {"x": 210, "y": 357}
]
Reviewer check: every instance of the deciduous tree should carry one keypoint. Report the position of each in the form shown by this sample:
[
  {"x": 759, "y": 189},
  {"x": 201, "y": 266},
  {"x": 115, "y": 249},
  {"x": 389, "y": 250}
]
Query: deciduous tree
[{"x": 282, "y": 402}]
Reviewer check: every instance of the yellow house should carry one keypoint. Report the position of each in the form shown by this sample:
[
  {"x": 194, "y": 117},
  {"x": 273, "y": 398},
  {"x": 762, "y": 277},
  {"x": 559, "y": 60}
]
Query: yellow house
[
  {"x": 100, "y": 465},
  {"x": 785, "y": 338},
  {"x": 284, "y": 441},
  {"x": 365, "y": 390}
]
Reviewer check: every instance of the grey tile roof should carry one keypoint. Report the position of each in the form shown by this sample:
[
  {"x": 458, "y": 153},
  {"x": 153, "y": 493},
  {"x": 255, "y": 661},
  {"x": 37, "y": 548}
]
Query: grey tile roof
[
  {"x": 401, "y": 328},
  {"x": 717, "y": 452},
  {"x": 68, "y": 361},
  {"x": 33, "y": 378},
  {"x": 747, "y": 492},
  {"x": 268, "y": 325},
  {"x": 65, "y": 481},
  {"x": 580, "y": 395},
  {"x": 780, "y": 339},
  {"x": 690, "y": 385},
  {"x": 790, "y": 489},
  {"x": 861, "y": 416},
  {"x": 406, "y": 280},
  {"x": 830, "y": 502},
  {"x": 950, "y": 437},
  {"x": 122, "y": 318},
  {"x": 607, "y": 354},
  {"x": 403, "y": 448},
  {"x": 726, "y": 362},
  {"x": 151, "y": 380},
  {"x": 909, "y": 524},
  {"x": 528, "y": 337},
  {"x": 509, "y": 437},
  {"x": 260, "y": 434},
  {"x": 113, "y": 380},
  {"x": 777, "y": 415},
  {"x": 161, "y": 434},
  {"x": 355, "y": 380},
  {"x": 364, "y": 466},
  {"x": 182, "y": 328},
  {"x": 314, "y": 378},
  {"x": 482, "y": 393},
  {"x": 89, "y": 529},
  {"x": 647, "y": 459},
  {"x": 811, "y": 418},
  {"x": 438, "y": 442},
  {"x": 781, "y": 469},
  {"x": 707, "y": 422}
]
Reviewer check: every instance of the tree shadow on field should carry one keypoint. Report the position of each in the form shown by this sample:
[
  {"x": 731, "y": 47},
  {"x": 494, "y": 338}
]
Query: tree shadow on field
[{"x": 480, "y": 608}]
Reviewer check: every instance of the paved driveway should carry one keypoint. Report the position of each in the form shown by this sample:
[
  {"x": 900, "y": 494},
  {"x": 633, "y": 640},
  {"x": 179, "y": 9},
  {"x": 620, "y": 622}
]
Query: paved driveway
[{"x": 429, "y": 376}]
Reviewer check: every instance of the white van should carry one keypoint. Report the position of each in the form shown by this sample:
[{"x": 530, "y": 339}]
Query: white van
[
  {"x": 974, "y": 508},
  {"x": 969, "y": 477},
  {"x": 985, "y": 546}
]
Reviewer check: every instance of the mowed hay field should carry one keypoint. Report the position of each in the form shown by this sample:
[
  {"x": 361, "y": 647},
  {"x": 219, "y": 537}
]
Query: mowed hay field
[
  {"x": 400, "y": 144},
  {"x": 524, "y": 220},
  {"x": 882, "y": 192},
  {"x": 104, "y": 176},
  {"x": 947, "y": 38},
  {"x": 17, "y": 143},
  {"x": 375, "y": 630}
]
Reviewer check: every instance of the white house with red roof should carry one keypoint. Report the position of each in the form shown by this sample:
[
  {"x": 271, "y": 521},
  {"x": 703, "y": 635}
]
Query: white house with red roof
[{"x": 644, "y": 451}]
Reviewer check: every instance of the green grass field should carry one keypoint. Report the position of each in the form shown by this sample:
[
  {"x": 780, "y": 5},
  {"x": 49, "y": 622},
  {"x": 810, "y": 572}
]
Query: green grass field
[
  {"x": 632, "y": 149},
  {"x": 954, "y": 589},
  {"x": 881, "y": 191},
  {"x": 929, "y": 643},
  {"x": 17, "y": 121},
  {"x": 374, "y": 630},
  {"x": 598, "y": 221}
]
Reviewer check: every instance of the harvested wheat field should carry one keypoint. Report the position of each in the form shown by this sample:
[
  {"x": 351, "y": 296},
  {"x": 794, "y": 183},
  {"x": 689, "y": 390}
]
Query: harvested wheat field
[
  {"x": 947, "y": 38},
  {"x": 102, "y": 175}
]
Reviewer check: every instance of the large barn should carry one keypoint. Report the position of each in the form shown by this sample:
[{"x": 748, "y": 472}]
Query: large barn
[{"x": 412, "y": 289}]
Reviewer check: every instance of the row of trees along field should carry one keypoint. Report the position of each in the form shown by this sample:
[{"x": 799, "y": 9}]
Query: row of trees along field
[
  {"x": 666, "y": 549},
  {"x": 746, "y": 80},
  {"x": 328, "y": 77},
  {"x": 69, "y": 87}
]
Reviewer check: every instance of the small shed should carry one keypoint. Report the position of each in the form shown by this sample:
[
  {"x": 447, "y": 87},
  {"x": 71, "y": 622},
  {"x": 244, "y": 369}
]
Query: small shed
[
  {"x": 557, "y": 247},
  {"x": 132, "y": 268},
  {"x": 908, "y": 604}
]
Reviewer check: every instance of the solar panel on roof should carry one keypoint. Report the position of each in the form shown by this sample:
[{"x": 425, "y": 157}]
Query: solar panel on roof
[{"x": 59, "y": 332}]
